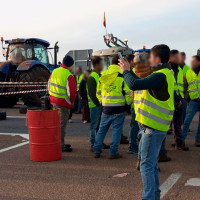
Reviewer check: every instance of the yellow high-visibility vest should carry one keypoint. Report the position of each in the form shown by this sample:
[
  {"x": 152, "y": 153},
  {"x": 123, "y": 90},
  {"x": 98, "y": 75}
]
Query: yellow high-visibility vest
[
  {"x": 179, "y": 84},
  {"x": 79, "y": 78},
  {"x": 154, "y": 113},
  {"x": 58, "y": 83},
  {"x": 193, "y": 84}
]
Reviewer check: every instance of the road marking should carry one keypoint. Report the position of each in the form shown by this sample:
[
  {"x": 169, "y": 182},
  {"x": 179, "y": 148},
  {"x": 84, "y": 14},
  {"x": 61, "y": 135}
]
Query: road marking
[
  {"x": 13, "y": 147},
  {"x": 26, "y": 136},
  {"x": 169, "y": 183},
  {"x": 17, "y": 117},
  {"x": 193, "y": 182}
]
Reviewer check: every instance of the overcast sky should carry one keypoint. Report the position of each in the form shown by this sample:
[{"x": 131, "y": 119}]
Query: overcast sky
[{"x": 78, "y": 24}]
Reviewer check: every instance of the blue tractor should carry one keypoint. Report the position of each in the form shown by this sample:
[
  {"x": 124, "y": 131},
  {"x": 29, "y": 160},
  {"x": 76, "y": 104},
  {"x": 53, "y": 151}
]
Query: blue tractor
[{"x": 27, "y": 60}]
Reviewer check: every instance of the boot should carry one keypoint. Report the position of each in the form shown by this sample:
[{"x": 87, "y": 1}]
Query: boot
[{"x": 164, "y": 158}]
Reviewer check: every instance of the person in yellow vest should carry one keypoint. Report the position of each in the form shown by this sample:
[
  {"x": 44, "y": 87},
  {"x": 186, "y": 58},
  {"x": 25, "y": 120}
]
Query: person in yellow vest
[
  {"x": 155, "y": 112},
  {"x": 79, "y": 78},
  {"x": 62, "y": 91},
  {"x": 192, "y": 85},
  {"x": 114, "y": 94},
  {"x": 94, "y": 104},
  {"x": 185, "y": 68},
  {"x": 179, "y": 89}
]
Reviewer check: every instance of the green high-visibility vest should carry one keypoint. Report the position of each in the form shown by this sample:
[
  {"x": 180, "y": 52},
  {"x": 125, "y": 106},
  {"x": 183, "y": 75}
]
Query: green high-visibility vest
[
  {"x": 79, "y": 78},
  {"x": 154, "y": 113},
  {"x": 96, "y": 77},
  {"x": 193, "y": 84},
  {"x": 112, "y": 90},
  {"x": 185, "y": 69},
  {"x": 58, "y": 83},
  {"x": 179, "y": 84}
]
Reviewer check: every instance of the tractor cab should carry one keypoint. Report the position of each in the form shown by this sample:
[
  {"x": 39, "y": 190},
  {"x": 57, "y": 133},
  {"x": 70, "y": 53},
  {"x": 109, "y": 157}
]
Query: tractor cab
[{"x": 20, "y": 50}]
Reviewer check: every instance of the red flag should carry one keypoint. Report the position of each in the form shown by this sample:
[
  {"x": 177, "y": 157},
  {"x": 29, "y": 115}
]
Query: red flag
[{"x": 104, "y": 20}]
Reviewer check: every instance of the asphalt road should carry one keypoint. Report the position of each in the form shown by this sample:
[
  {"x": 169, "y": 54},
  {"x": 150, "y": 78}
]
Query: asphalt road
[{"x": 78, "y": 176}]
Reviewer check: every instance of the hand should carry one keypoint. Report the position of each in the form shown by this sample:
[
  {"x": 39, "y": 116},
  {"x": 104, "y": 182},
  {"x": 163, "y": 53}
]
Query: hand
[
  {"x": 124, "y": 65},
  {"x": 179, "y": 104}
]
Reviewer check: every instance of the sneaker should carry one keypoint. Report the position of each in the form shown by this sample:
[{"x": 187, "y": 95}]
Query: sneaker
[
  {"x": 66, "y": 149},
  {"x": 116, "y": 156},
  {"x": 138, "y": 165},
  {"x": 164, "y": 158},
  {"x": 197, "y": 143},
  {"x": 124, "y": 141},
  {"x": 85, "y": 122},
  {"x": 70, "y": 121},
  {"x": 105, "y": 146},
  {"x": 182, "y": 148},
  {"x": 97, "y": 155}
]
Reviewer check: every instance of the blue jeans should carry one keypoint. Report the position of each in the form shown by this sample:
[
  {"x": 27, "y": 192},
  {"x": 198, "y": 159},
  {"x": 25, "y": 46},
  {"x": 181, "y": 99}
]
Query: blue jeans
[
  {"x": 150, "y": 148},
  {"x": 79, "y": 102},
  {"x": 117, "y": 122},
  {"x": 193, "y": 108},
  {"x": 95, "y": 118},
  {"x": 133, "y": 133}
]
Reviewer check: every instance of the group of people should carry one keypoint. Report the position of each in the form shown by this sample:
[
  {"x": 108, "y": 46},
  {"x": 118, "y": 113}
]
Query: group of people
[{"x": 162, "y": 92}]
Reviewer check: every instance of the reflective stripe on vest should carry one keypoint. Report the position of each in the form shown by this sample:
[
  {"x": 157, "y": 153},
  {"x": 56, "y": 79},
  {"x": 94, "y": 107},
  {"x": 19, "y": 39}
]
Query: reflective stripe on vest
[
  {"x": 58, "y": 83},
  {"x": 193, "y": 84},
  {"x": 154, "y": 113},
  {"x": 96, "y": 77},
  {"x": 179, "y": 86},
  {"x": 137, "y": 99}
]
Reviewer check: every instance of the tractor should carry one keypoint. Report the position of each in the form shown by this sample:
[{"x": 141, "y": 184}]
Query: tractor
[
  {"x": 27, "y": 60},
  {"x": 116, "y": 45}
]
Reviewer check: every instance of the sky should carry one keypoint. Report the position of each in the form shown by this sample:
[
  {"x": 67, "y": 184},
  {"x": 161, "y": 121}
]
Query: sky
[{"x": 78, "y": 24}]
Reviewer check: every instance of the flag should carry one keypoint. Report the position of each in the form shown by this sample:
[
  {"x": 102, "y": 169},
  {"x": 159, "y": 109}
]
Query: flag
[{"x": 104, "y": 20}]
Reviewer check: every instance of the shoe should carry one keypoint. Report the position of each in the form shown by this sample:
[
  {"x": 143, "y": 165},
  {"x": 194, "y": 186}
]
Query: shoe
[
  {"x": 66, "y": 149},
  {"x": 197, "y": 143},
  {"x": 91, "y": 148},
  {"x": 85, "y": 122},
  {"x": 133, "y": 151},
  {"x": 138, "y": 165},
  {"x": 105, "y": 146},
  {"x": 97, "y": 155},
  {"x": 116, "y": 156},
  {"x": 124, "y": 141},
  {"x": 164, "y": 158},
  {"x": 182, "y": 148},
  {"x": 68, "y": 145},
  {"x": 70, "y": 121}
]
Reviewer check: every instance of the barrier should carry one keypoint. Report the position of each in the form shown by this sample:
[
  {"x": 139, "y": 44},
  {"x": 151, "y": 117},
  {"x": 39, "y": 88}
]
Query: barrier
[
  {"x": 23, "y": 83},
  {"x": 22, "y": 92}
]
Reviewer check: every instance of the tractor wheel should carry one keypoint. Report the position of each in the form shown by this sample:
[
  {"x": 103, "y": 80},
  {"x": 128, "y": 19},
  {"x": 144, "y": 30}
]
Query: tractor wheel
[
  {"x": 36, "y": 74},
  {"x": 7, "y": 101}
]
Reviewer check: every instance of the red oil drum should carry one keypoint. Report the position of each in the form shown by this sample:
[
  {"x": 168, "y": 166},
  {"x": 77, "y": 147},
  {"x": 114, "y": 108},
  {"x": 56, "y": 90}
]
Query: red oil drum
[{"x": 44, "y": 135}]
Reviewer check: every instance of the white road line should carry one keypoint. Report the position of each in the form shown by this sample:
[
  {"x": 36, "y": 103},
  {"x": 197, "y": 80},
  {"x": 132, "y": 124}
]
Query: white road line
[
  {"x": 193, "y": 182},
  {"x": 13, "y": 147},
  {"x": 17, "y": 117},
  {"x": 169, "y": 183},
  {"x": 26, "y": 136}
]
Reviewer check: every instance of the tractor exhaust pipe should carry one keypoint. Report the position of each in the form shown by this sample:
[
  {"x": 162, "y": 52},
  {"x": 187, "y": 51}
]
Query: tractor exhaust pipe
[{"x": 56, "y": 49}]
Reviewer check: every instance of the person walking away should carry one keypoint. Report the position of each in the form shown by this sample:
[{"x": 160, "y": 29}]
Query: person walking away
[
  {"x": 84, "y": 98},
  {"x": 179, "y": 89},
  {"x": 62, "y": 91},
  {"x": 94, "y": 104},
  {"x": 185, "y": 68},
  {"x": 192, "y": 85},
  {"x": 79, "y": 77},
  {"x": 114, "y": 94},
  {"x": 155, "y": 113}
]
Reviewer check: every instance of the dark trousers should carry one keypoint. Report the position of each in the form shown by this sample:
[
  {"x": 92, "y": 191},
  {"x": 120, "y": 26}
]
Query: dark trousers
[
  {"x": 86, "y": 111},
  {"x": 177, "y": 122}
]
